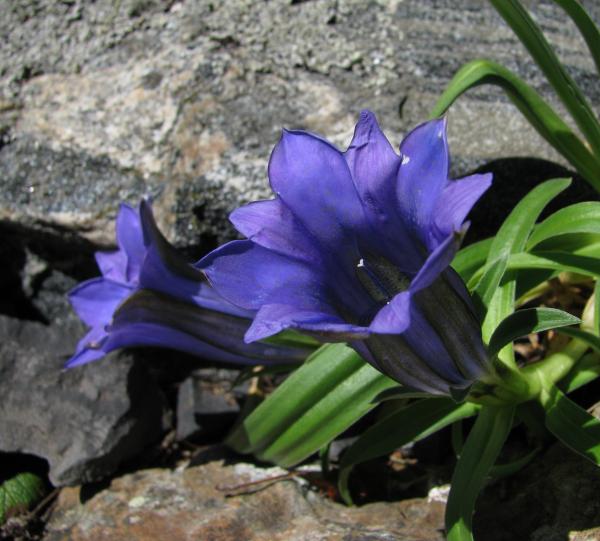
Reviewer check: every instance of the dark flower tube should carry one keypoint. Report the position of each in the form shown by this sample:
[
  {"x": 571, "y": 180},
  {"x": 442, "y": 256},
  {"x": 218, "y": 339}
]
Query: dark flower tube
[
  {"x": 148, "y": 295},
  {"x": 356, "y": 247}
]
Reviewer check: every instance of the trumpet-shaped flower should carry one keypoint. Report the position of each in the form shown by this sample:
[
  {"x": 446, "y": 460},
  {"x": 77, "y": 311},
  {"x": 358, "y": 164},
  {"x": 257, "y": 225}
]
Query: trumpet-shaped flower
[
  {"x": 149, "y": 296},
  {"x": 356, "y": 247}
]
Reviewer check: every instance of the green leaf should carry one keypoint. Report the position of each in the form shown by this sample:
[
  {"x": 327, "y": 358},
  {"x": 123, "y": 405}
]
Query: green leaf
[
  {"x": 586, "y": 26},
  {"x": 524, "y": 322},
  {"x": 515, "y": 230},
  {"x": 559, "y": 261},
  {"x": 579, "y": 218},
  {"x": 533, "y": 107},
  {"x": 510, "y": 239},
  {"x": 332, "y": 390},
  {"x": 571, "y": 424},
  {"x": 586, "y": 337},
  {"x": 19, "y": 493},
  {"x": 510, "y": 468},
  {"x": 411, "y": 422},
  {"x": 540, "y": 50},
  {"x": 586, "y": 369},
  {"x": 488, "y": 284},
  {"x": 478, "y": 456},
  {"x": 292, "y": 338},
  {"x": 471, "y": 258},
  {"x": 400, "y": 393},
  {"x": 596, "y": 323}
]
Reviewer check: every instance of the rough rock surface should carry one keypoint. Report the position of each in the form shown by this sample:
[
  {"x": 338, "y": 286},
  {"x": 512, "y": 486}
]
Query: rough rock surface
[
  {"x": 186, "y": 505},
  {"x": 184, "y": 100},
  {"x": 84, "y": 422},
  {"x": 554, "y": 498}
]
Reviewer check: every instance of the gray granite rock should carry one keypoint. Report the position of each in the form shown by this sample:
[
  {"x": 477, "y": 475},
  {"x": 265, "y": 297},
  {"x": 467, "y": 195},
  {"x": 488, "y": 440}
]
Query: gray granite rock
[
  {"x": 86, "y": 421},
  {"x": 184, "y": 100}
]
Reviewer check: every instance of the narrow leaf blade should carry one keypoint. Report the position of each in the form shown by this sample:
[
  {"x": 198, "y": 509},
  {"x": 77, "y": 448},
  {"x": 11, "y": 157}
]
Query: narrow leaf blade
[
  {"x": 579, "y": 218},
  {"x": 586, "y": 26},
  {"x": 586, "y": 337},
  {"x": 333, "y": 389},
  {"x": 540, "y": 50},
  {"x": 524, "y": 322},
  {"x": 559, "y": 261},
  {"x": 478, "y": 456},
  {"x": 533, "y": 107},
  {"x": 512, "y": 238},
  {"x": 471, "y": 258},
  {"x": 572, "y": 425}
]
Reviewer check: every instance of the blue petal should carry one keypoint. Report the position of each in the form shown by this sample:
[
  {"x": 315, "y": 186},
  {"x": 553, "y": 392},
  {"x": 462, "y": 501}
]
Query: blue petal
[
  {"x": 394, "y": 317},
  {"x": 166, "y": 260},
  {"x": 456, "y": 201},
  {"x": 113, "y": 265},
  {"x": 89, "y": 348},
  {"x": 439, "y": 259},
  {"x": 130, "y": 240},
  {"x": 272, "y": 225},
  {"x": 250, "y": 276},
  {"x": 312, "y": 178},
  {"x": 423, "y": 174},
  {"x": 274, "y": 318},
  {"x": 374, "y": 167},
  {"x": 95, "y": 300},
  {"x": 187, "y": 327}
]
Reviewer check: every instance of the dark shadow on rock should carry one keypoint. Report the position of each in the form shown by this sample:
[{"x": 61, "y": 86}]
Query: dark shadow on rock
[
  {"x": 550, "y": 500},
  {"x": 12, "y": 464},
  {"x": 89, "y": 490},
  {"x": 38, "y": 270}
]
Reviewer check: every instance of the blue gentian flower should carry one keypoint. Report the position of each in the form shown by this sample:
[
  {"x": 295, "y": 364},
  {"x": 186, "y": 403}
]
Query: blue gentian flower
[
  {"x": 356, "y": 247},
  {"x": 148, "y": 295}
]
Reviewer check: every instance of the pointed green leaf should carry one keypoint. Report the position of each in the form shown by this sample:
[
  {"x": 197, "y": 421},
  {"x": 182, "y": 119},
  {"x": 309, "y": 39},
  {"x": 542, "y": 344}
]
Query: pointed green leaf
[
  {"x": 488, "y": 284},
  {"x": 540, "y": 50},
  {"x": 471, "y": 258},
  {"x": 524, "y": 322},
  {"x": 510, "y": 239},
  {"x": 539, "y": 114},
  {"x": 579, "y": 218},
  {"x": 515, "y": 230},
  {"x": 400, "y": 392},
  {"x": 571, "y": 424},
  {"x": 586, "y": 26},
  {"x": 510, "y": 468},
  {"x": 579, "y": 263},
  {"x": 478, "y": 456},
  {"x": 586, "y": 369},
  {"x": 411, "y": 422},
  {"x": 596, "y": 324},
  {"x": 19, "y": 493},
  {"x": 586, "y": 337},
  {"x": 292, "y": 338},
  {"x": 559, "y": 261},
  {"x": 332, "y": 390}
]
